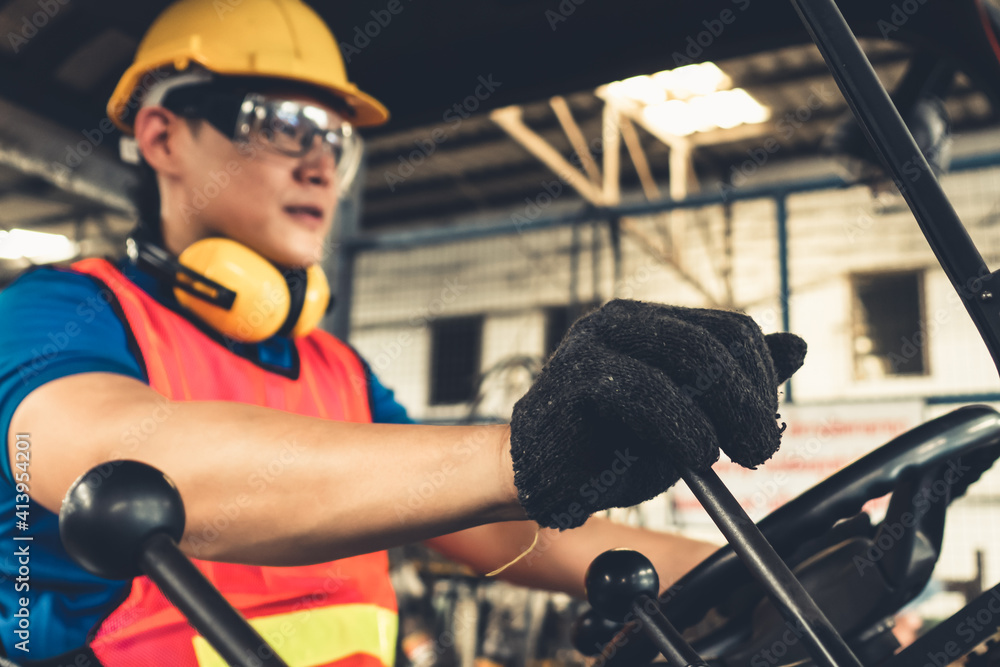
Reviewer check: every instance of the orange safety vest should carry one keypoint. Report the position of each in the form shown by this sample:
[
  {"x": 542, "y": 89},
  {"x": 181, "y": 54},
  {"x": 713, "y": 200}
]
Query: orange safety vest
[{"x": 339, "y": 613}]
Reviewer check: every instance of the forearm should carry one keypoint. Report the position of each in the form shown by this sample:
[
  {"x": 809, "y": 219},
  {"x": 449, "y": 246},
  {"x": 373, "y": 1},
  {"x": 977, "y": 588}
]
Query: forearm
[
  {"x": 314, "y": 490},
  {"x": 267, "y": 487},
  {"x": 560, "y": 560}
]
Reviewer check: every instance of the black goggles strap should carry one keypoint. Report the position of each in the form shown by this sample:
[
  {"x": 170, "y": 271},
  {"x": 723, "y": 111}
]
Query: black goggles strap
[{"x": 219, "y": 108}]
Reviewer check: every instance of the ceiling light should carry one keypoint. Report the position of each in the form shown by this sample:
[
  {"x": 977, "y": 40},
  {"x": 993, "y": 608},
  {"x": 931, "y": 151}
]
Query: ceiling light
[
  {"x": 685, "y": 100},
  {"x": 692, "y": 80},
  {"x": 643, "y": 89},
  {"x": 38, "y": 247}
]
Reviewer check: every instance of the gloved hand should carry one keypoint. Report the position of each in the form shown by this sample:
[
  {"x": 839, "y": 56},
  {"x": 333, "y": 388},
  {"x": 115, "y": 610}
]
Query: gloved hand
[{"x": 635, "y": 389}]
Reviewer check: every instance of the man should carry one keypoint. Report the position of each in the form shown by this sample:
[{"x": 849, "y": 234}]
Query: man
[{"x": 263, "y": 423}]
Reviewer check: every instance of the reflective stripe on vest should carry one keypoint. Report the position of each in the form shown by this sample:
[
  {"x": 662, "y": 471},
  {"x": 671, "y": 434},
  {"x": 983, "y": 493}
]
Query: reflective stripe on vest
[
  {"x": 340, "y": 613},
  {"x": 320, "y": 637}
]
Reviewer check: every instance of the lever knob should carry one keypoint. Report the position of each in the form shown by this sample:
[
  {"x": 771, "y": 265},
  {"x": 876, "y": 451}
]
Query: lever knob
[
  {"x": 616, "y": 578},
  {"x": 110, "y": 511}
]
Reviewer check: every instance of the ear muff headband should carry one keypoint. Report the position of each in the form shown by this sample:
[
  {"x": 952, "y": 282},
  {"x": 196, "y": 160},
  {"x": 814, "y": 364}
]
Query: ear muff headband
[
  {"x": 236, "y": 291},
  {"x": 310, "y": 300}
]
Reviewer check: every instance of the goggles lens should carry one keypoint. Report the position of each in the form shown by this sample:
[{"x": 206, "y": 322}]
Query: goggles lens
[
  {"x": 273, "y": 123},
  {"x": 290, "y": 127}
]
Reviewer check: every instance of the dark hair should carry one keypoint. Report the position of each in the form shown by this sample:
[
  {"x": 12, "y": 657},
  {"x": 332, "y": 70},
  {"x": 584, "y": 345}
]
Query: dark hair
[{"x": 146, "y": 196}]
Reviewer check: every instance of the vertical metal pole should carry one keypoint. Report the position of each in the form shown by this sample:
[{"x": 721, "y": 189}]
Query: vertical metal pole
[
  {"x": 574, "y": 273},
  {"x": 595, "y": 263},
  {"x": 888, "y": 134},
  {"x": 340, "y": 325},
  {"x": 341, "y": 262},
  {"x": 784, "y": 291},
  {"x": 615, "y": 234}
]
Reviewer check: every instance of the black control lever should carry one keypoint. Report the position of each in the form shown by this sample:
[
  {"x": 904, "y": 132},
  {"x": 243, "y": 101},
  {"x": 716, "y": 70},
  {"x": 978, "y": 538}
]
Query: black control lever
[
  {"x": 622, "y": 585},
  {"x": 121, "y": 525},
  {"x": 591, "y": 633},
  {"x": 825, "y": 644}
]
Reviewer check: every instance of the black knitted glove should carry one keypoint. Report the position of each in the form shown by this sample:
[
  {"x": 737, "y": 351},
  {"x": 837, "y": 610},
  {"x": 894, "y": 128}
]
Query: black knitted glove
[{"x": 635, "y": 388}]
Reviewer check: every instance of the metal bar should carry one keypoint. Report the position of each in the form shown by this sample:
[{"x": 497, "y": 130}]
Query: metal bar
[
  {"x": 589, "y": 213},
  {"x": 904, "y": 161},
  {"x": 615, "y": 235},
  {"x": 638, "y": 156},
  {"x": 664, "y": 635},
  {"x": 574, "y": 269},
  {"x": 826, "y": 645},
  {"x": 586, "y": 214},
  {"x": 71, "y": 161},
  {"x": 784, "y": 288},
  {"x": 953, "y": 637},
  {"x": 784, "y": 291},
  {"x": 343, "y": 296},
  {"x": 576, "y": 138},
  {"x": 204, "y": 607},
  {"x": 595, "y": 265},
  {"x": 511, "y": 121},
  {"x": 987, "y": 397},
  {"x": 341, "y": 263}
]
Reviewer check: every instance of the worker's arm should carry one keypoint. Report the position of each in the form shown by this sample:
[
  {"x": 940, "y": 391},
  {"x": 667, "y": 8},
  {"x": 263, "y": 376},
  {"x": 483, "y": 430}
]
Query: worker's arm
[
  {"x": 559, "y": 560},
  {"x": 262, "y": 486}
]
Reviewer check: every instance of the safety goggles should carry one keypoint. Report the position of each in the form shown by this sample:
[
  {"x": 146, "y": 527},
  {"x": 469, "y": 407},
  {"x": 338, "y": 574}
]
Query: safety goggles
[
  {"x": 290, "y": 127},
  {"x": 261, "y": 121}
]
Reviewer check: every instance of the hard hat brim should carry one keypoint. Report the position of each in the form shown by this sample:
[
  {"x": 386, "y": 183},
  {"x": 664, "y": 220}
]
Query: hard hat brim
[{"x": 124, "y": 101}]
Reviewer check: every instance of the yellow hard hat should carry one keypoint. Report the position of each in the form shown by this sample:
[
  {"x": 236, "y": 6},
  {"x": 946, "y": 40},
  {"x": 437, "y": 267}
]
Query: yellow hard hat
[{"x": 281, "y": 39}]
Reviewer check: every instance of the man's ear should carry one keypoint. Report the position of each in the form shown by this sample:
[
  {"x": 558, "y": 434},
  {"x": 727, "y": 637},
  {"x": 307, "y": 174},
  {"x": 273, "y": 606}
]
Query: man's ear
[{"x": 157, "y": 133}]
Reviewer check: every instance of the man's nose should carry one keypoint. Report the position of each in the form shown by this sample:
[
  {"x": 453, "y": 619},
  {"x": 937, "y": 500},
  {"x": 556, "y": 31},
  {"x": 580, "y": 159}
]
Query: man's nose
[{"x": 318, "y": 166}]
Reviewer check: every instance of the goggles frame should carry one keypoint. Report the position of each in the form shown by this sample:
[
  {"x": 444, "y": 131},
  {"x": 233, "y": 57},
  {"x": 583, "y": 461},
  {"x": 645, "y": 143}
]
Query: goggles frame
[
  {"x": 235, "y": 107},
  {"x": 259, "y": 119}
]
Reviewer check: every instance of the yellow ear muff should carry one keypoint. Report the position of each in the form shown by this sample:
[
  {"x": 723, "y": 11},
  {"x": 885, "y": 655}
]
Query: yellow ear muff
[
  {"x": 316, "y": 301},
  {"x": 262, "y": 298}
]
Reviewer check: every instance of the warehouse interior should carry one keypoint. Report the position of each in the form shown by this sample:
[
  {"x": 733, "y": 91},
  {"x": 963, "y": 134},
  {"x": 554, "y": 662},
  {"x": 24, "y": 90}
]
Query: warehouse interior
[{"x": 543, "y": 159}]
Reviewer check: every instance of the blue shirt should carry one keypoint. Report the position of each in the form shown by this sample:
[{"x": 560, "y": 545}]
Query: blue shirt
[{"x": 58, "y": 323}]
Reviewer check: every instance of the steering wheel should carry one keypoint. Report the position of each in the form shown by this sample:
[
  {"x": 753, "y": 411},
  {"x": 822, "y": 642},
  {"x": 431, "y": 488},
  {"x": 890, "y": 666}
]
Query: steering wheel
[{"x": 924, "y": 468}]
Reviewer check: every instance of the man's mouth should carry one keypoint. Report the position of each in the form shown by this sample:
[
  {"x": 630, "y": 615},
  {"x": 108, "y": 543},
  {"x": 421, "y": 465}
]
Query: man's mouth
[{"x": 306, "y": 213}]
